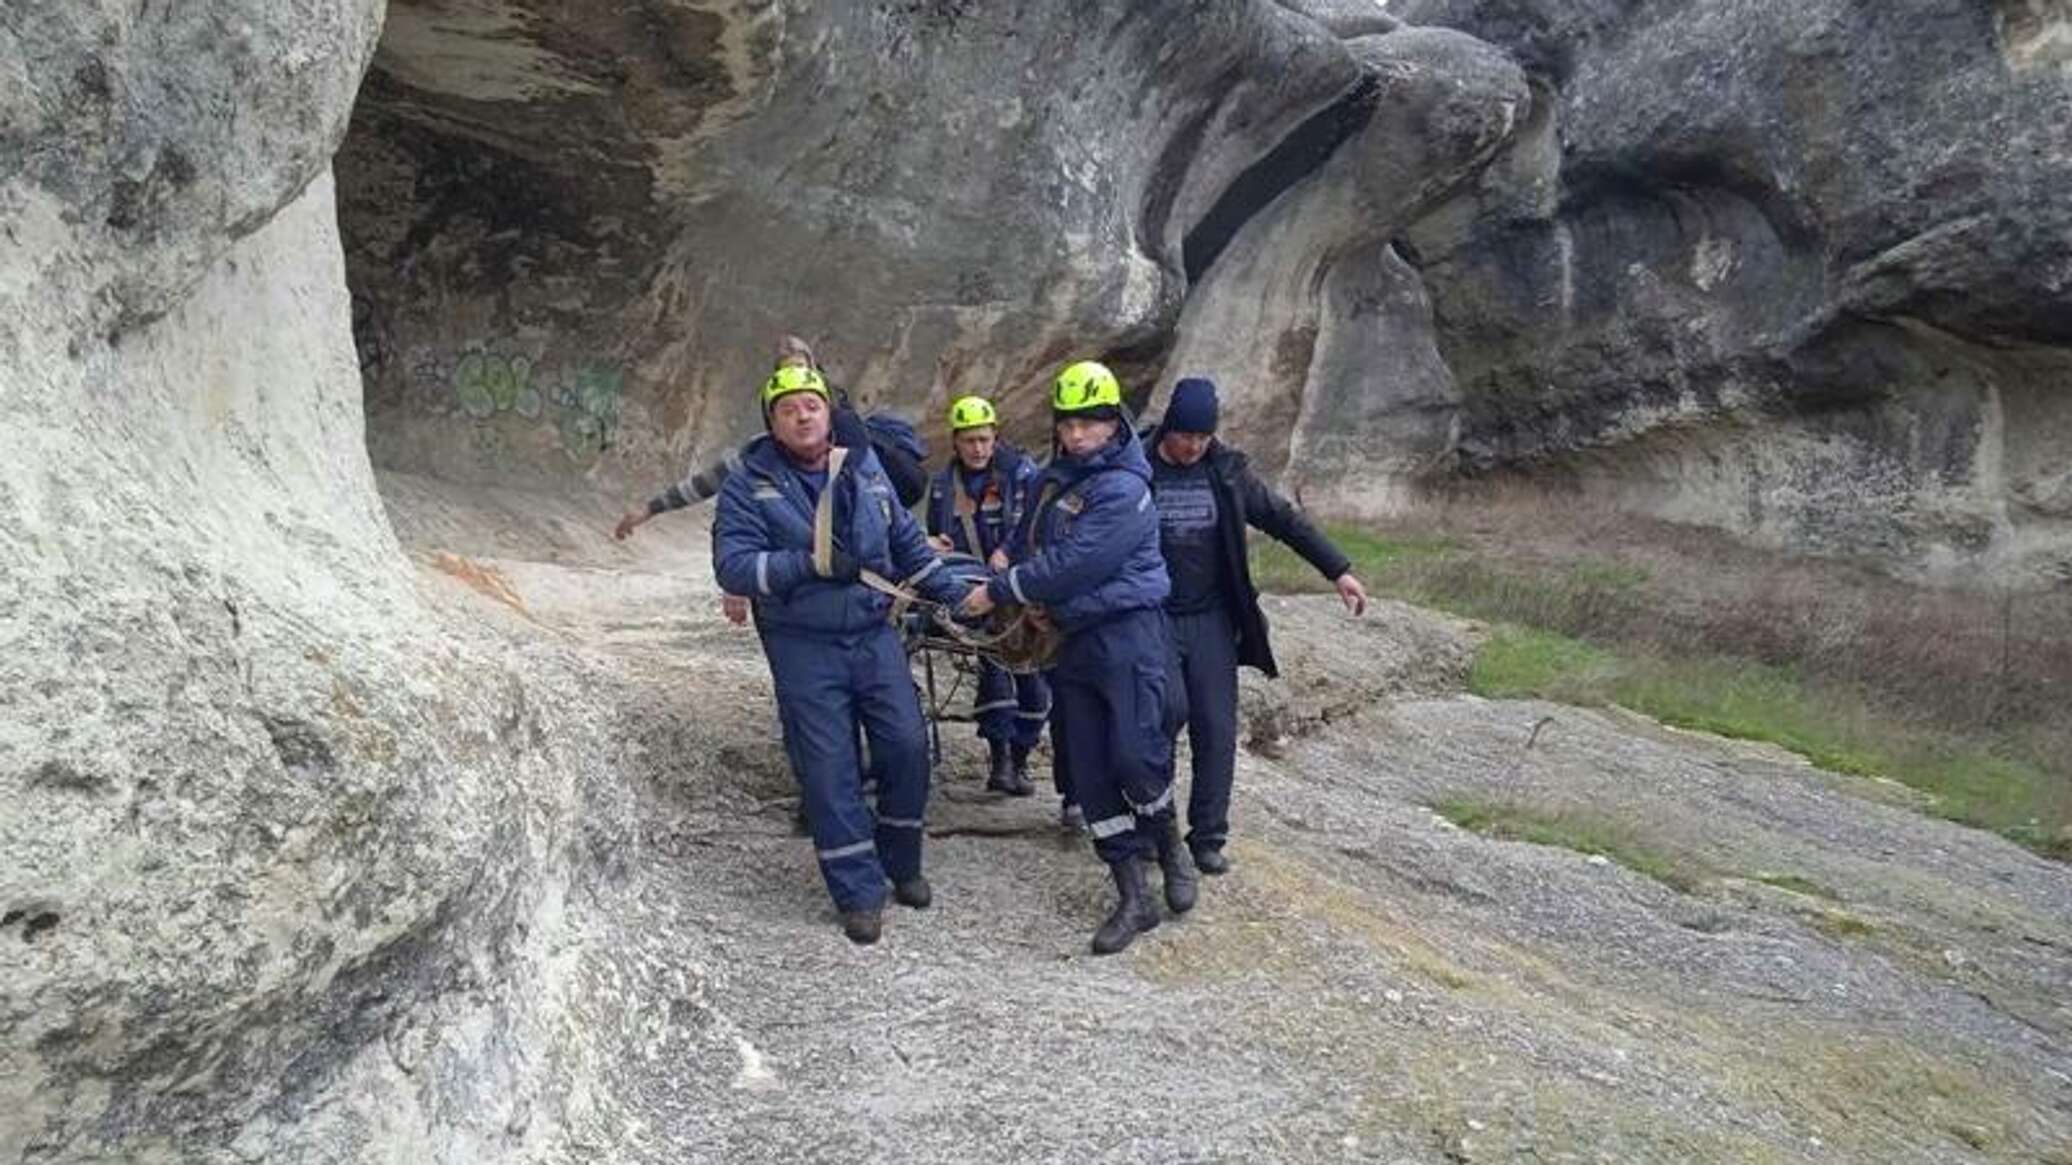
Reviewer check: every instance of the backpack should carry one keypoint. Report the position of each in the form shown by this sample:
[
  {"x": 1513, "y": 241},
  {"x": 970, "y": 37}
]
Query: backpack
[
  {"x": 902, "y": 453},
  {"x": 897, "y": 433}
]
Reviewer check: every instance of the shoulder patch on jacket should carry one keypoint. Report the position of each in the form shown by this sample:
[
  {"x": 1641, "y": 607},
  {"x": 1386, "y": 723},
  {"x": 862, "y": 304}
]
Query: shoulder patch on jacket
[{"x": 1072, "y": 503}]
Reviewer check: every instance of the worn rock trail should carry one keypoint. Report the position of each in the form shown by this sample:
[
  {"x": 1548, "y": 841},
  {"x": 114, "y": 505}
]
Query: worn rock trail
[{"x": 1371, "y": 982}]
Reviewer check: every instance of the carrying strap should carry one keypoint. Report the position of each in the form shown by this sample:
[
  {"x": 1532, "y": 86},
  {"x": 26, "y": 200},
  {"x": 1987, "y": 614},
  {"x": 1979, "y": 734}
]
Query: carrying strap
[
  {"x": 824, "y": 542},
  {"x": 824, "y": 514},
  {"x": 965, "y": 507},
  {"x": 1044, "y": 498},
  {"x": 1008, "y": 646},
  {"x": 904, "y": 598}
]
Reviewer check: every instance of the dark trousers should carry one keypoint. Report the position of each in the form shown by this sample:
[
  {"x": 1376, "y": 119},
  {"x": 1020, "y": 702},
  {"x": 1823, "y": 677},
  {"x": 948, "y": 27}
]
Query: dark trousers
[
  {"x": 828, "y": 685},
  {"x": 1060, "y": 763},
  {"x": 1206, "y": 644},
  {"x": 1117, "y": 711},
  {"x": 1010, "y": 708}
]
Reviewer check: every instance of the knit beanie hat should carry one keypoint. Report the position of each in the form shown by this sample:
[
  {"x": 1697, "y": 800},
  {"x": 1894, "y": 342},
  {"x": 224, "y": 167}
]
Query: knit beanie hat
[{"x": 1193, "y": 407}]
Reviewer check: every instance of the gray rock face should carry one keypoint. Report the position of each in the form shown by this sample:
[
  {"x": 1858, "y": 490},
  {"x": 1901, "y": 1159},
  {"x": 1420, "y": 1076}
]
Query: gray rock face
[
  {"x": 134, "y": 145},
  {"x": 1800, "y": 270},
  {"x": 270, "y": 827},
  {"x": 428, "y": 825},
  {"x": 1314, "y": 329},
  {"x": 575, "y": 229}
]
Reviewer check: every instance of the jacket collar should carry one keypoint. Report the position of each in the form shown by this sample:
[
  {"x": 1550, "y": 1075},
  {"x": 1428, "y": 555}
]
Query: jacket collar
[
  {"x": 1214, "y": 456},
  {"x": 765, "y": 456},
  {"x": 1125, "y": 453}
]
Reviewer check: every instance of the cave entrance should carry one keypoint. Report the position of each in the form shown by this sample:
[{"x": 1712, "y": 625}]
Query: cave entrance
[{"x": 502, "y": 237}]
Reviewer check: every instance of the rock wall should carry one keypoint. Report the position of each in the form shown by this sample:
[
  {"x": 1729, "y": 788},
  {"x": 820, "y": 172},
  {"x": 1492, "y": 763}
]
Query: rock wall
[
  {"x": 270, "y": 817},
  {"x": 1802, "y": 271},
  {"x": 575, "y": 229},
  {"x": 1739, "y": 265},
  {"x": 299, "y": 845},
  {"x": 1309, "y": 321}
]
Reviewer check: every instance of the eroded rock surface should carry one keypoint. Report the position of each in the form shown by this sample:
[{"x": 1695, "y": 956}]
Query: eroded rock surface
[
  {"x": 427, "y": 824},
  {"x": 1836, "y": 975},
  {"x": 1797, "y": 270},
  {"x": 574, "y": 229}
]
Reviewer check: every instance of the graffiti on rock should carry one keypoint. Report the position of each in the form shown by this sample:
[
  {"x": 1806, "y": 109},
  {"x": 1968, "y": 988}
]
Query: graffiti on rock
[
  {"x": 488, "y": 384},
  {"x": 578, "y": 400},
  {"x": 588, "y": 413}
]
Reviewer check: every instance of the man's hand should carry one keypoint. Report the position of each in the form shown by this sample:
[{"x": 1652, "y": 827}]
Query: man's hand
[
  {"x": 735, "y": 608},
  {"x": 977, "y": 604},
  {"x": 940, "y": 543},
  {"x": 627, "y": 524},
  {"x": 1354, "y": 595},
  {"x": 999, "y": 559}
]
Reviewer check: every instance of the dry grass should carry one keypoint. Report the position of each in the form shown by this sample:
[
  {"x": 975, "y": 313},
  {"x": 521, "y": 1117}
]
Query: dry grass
[
  {"x": 1586, "y": 831},
  {"x": 1965, "y": 695}
]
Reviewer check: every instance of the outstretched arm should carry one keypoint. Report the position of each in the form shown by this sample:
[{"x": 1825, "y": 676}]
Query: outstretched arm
[
  {"x": 1284, "y": 520},
  {"x": 701, "y": 484}
]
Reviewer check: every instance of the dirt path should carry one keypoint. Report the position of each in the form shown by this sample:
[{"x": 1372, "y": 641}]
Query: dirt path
[{"x": 1841, "y": 977}]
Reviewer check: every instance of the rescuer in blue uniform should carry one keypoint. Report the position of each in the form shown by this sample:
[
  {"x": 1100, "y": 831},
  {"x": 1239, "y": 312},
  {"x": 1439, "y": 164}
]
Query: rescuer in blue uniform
[
  {"x": 974, "y": 505},
  {"x": 798, "y": 525},
  {"x": 1087, "y": 554}
]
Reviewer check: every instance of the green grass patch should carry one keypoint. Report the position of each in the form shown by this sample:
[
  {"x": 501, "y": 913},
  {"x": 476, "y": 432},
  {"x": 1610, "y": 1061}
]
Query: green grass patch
[
  {"x": 1375, "y": 558},
  {"x": 1798, "y": 885},
  {"x": 1580, "y": 830},
  {"x": 1564, "y": 634},
  {"x": 1522, "y": 661},
  {"x": 1833, "y": 728},
  {"x": 1841, "y": 925}
]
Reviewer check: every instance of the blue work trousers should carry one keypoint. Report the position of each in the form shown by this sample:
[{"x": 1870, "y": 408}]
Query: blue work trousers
[
  {"x": 1060, "y": 766},
  {"x": 1010, "y": 708},
  {"x": 827, "y": 685},
  {"x": 1117, "y": 713}
]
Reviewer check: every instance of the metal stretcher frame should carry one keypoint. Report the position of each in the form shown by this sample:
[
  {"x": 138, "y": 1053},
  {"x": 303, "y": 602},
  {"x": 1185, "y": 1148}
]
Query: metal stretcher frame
[{"x": 939, "y": 705}]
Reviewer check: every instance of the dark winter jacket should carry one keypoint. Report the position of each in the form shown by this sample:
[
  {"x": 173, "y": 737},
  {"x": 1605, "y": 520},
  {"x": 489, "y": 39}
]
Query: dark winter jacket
[
  {"x": 1241, "y": 500},
  {"x": 1010, "y": 488},
  {"x": 762, "y": 544},
  {"x": 1087, "y": 550}
]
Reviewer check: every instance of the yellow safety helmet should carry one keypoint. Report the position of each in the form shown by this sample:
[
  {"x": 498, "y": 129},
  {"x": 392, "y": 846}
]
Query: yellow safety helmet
[
  {"x": 794, "y": 378},
  {"x": 971, "y": 412},
  {"x": 1085, "y": 385}
]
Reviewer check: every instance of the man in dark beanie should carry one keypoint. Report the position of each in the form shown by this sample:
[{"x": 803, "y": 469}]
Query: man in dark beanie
[{"x": 1206, "y": 496}]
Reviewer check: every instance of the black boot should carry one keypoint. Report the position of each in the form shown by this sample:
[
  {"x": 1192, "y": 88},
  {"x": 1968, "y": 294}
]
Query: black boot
[
  {"x": 1000, "y": 779},
  {"x": 1019, "y": 754},
  {"x": 1134, "y": 913},
  {"x": 1211, "y": 861},
  {"x": 863, "y": 926},
  {"x": 914, "y": 892},
  {"x": 1180, "y": 883}
]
